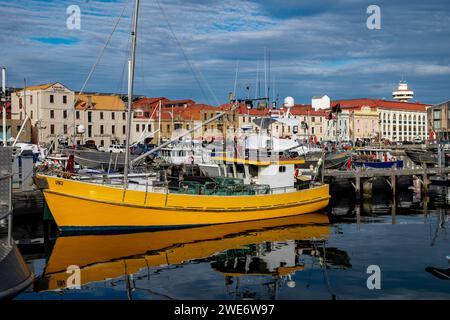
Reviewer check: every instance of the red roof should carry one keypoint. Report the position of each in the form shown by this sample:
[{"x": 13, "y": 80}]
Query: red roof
[
  {"x": 178, "y": 102},
  {"x": 304, "y": 110},
  {"x": 379, "y": 103},
  {"x": 191, "y": 112},
  {"x": 146, "y": 103}
]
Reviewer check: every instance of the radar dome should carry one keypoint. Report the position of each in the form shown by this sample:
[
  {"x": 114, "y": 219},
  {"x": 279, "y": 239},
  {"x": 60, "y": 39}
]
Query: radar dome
[{"x": 289, "y": 102}]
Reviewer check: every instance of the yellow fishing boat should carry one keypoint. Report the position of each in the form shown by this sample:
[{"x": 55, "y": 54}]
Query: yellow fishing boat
[
  {"x": 249, "y": 190},
  {"x": 102, "y": 257}
]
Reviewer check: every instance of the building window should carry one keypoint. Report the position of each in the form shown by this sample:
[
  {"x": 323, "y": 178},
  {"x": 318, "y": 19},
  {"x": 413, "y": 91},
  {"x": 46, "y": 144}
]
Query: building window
[
  {"x": 137, "y": 127},
  {"x": 20, "y": 103},
  {"x": 437, "y": 124},
  {"x": 31, "y": 114},
  {"x": 149, "y": 128},
  {"x": 101, "y": 129},
  {"x": 90, "y": 131},
  {"x": 52, "y": 98},
  {"x": 65, "y": 99},
  {"x": 113, "y": 129},
  {"x": 31, "y": 99},
  {"x": 52, "y": 114},
  {"x": 64, "y": 114},
  {"x": 124, "y": 116},
  {"x": 52, "y": 129},
  {"x": 143, "y": 127},
  {"x": 113, "y": 116},
  {"x": 101, "y": 115},
  {"x": 281, "y": 169},
  {"x": 65, "y": 129},
  {"x": 89, "y": 116},
  {"x": 78, "y": 114},
  {"x": 102, "y": 143},
  {"x": 168, "y": 127},
  {"x": 124, "y": 129}
]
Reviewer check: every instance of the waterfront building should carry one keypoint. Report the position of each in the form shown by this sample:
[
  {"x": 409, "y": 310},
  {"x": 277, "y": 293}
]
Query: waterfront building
[
  {"x": 363, "y": 123},
  {"x": 402, "y": 93},
  {"x": 49, "y": 107},
  {"x": 320, "y": 102},
  {"x": 439, "y": 121},
  {"x": 13, "y": 127},
  {"x": 383, "y": 119},
  {"x": 103, "y": 117}
]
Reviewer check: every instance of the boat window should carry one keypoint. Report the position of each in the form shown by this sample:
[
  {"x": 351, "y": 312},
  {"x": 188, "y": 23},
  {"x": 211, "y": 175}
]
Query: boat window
[
  {"x": 282, "y": 168},
  {"x": 253, "y": 171}
]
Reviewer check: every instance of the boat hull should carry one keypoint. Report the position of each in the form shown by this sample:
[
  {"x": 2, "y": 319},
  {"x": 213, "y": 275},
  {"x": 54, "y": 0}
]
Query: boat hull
[
  {"x": 100, "y": 160},
  {"x": 380, "y": 165},
  {"x": 80, "y": 206}
]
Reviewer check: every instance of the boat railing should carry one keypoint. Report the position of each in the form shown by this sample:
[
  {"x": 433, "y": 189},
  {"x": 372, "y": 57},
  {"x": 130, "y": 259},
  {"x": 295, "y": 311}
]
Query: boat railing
[{"x": 6, "y": 180}]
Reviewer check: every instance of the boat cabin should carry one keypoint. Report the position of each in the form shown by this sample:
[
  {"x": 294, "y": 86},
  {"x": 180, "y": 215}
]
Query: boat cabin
[{"x": 278, "y": 175}]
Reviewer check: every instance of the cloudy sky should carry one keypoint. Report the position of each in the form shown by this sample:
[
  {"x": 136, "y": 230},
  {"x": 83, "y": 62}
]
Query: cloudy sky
[{"x": 190, "y": 49}]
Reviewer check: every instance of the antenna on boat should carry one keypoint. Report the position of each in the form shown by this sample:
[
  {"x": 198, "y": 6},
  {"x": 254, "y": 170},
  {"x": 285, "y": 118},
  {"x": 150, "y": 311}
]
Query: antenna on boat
[
  {"x": 235, "y": 79},
  {"x": 131, "y": 66},
  {"x": 257, "y": 81},
  {"x": 265, "y": 74}
]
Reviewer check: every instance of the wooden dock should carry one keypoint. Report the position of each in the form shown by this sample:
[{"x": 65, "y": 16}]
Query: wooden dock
[{"x": 359, "y": 176}]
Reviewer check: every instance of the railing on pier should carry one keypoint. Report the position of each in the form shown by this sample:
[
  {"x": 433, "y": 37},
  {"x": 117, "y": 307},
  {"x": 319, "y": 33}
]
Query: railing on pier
[{"x": 6, "y": 177}]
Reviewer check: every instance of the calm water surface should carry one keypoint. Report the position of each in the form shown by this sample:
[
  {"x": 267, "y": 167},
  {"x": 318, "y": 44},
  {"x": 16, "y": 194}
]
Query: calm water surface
[{"x": 306, "y": 257}]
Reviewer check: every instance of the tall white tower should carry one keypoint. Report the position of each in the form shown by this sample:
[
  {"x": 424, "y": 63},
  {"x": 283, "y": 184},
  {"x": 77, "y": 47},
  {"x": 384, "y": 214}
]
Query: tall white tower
[{"x": 402, "y": 94}]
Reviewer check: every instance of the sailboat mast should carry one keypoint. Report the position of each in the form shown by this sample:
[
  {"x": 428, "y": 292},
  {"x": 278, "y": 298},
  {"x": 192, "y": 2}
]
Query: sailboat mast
[{"x": 131, "y": 65}]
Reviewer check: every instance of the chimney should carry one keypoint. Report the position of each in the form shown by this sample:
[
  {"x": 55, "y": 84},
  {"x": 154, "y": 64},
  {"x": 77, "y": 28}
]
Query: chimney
[{"x": 89, "y": 102}]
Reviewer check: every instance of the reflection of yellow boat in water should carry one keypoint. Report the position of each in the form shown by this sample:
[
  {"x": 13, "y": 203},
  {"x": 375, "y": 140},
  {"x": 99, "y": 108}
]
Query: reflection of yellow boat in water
[{"x": 103, "y": 257}]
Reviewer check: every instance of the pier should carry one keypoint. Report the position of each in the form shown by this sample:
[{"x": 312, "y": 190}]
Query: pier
[
  {"x": 15, "y": 275},
  {"x": 358, "y": 177}
]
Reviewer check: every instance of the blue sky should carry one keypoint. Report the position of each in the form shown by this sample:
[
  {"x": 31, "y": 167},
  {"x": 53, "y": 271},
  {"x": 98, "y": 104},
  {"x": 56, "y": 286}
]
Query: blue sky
[{"x": 316, "y": 47}]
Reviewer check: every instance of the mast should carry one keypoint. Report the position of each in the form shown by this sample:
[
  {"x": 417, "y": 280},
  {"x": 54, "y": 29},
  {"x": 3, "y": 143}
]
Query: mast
[
  {"x": 265, "y": 74},
  {"x": 257, "y": 81},
  {"x": 159, "y": 123},
  {"x": 131, "y": 65}
]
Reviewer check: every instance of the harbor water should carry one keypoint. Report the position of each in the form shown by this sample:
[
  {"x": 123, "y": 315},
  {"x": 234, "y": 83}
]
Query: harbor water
[{"x": 327, "y": 255}]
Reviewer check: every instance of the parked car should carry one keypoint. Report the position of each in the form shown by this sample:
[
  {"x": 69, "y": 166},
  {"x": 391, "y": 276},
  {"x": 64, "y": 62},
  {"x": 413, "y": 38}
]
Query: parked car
[
  {"x": 418, "y": 140},
  {"x": 116, "y": 148}
]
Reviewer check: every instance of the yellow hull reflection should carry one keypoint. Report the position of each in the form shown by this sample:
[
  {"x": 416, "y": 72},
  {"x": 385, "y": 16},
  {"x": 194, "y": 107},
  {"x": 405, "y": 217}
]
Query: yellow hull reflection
[
  {"x": 79, "y": 205},
  {"x": 102, "y": 257}
]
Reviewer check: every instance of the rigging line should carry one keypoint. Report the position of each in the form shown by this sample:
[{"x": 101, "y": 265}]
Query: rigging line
[
  {"x": 189, "y": 62},
  {"x": 140, "y": 52},
  {"x": 330, "y": 290},
  {"x": 236, "y": 79},
  {"x": 99, "y": 57}
]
